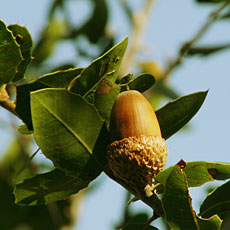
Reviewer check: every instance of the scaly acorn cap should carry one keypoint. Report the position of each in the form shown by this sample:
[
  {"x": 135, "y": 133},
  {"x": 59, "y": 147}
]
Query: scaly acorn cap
[{"x": 137, "y": 152}]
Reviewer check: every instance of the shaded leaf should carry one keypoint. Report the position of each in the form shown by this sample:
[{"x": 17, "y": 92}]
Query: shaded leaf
[
  {"x": 210, "y": 1},
  {"x": 140, "y": 83},
  {"x": 205, "y": 51},
  {"x": 104, "y": 66},
  {"x": 94, "y": 28},
  {"x": 199, "y": 172},
  {"x": 45, "y": 188},
  {"x": 173, "y": 116},
  {"x": 138, "y": 227},
  {"x": 66, "y": 129},
  {"x": 10, "y": 54},
  {"x": 217, "y": 201},
  {"x": 212, "y": 223},
  {"x": 177, "y": 202},
  {"x": 59, "y": 79},
  {"x": 25, "y": 42},
  {"x": 125, "y": 79}
]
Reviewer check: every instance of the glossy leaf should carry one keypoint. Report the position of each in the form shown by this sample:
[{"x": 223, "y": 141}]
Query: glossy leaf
[
  {"x": 173, "y": 116},
  {"x": 10, "y": 54},
  {"x": 66, "y": 129},
  {"x": 24, "y": 39},
  {"x": 140, "y": 83},
  {"x": 59, "y": 79},
  {"x": 48, "y": 187},
  {"x": 205, "y": 51},
  {"x": 217, "y": 201},
  {"x": 105, "y": 66},
  {"x": 177, "y": 203},
  {"x": 199, "y": 172}
]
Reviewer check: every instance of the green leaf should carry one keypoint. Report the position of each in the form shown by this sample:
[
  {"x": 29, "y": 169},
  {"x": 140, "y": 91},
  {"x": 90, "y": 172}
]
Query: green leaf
[
  {"x": 105, "y": 96},
  {"x": 140, "y": 83},
  {"x": 104, "y": 66},
  {"x": 177, "y": 202},
  {"x": 173, "y": 116},
  {"x": 199, "y": 172},
  {"x": 59, "y": 79},
  {"x": 66, "y": 129},
  {"x": 212, "y": 223},
  {"x": 217, "y": 202},
  {"x": 138, "y": 227},
  {"x": 24, "y": 130},
  {"x": 125, "y": 79},
  {"x": 48, "y": 187},
  {"x": 210, "y": 1},
  {"x": 205, "y": 51},
  {"x": 94, "y": 28},
  {"x": 10, "y": 54},
  {"x": 24, "y": 39}
]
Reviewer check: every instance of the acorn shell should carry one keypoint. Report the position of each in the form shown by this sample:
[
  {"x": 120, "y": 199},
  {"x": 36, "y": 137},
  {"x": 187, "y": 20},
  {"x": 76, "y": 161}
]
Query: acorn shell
[{"x": 132, "y": 115}]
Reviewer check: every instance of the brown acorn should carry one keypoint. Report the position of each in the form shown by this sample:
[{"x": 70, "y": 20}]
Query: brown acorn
[{"x": 137, "y": 152}]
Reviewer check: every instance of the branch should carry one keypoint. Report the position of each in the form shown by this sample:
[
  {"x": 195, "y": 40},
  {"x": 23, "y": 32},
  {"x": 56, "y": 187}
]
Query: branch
[
  {"x": 5, "y": 101},
  {"x": 139, "y": 20},
  {"x": 213, "y": 16}
]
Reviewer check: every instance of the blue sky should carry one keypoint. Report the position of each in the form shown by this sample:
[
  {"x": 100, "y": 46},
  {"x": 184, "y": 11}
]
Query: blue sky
[{"x": 171, "y": 23}]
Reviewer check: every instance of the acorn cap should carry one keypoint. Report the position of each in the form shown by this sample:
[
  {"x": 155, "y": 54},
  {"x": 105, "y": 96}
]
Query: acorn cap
[{"x": 138, "y": 152}]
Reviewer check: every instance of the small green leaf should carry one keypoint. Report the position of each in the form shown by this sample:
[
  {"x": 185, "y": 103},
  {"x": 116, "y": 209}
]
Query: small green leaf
[
  {"x": 24, "y": 130},
  {"x": 140, "y": 83},
  {"x": 125, "y": 79},
  {"x": 199, "y": 172},
  {"x": 212, "y": 223},
  {"x": 217, "y": 201},
  {"x": 25, "y": 42},
  {"x": 48, "y": 187},
  {"x": 205, "y": 51},
  {"x": 177, "y": 202},
  {"x": 66, "y": 129},
  {"x": 58, "y": 79},
  {"x": 104, "y": 66},
  {"x": 173, "y": 116},
  {"x": 10, "y": 54}
]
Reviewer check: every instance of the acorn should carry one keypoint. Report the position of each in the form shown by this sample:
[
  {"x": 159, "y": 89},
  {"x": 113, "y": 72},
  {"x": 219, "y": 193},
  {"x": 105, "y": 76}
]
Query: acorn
[{"x": 137, "y": 152}]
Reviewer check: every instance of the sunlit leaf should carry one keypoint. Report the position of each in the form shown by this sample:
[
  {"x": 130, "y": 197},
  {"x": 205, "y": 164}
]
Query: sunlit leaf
[
  {"x": 23, "y": 129},
  {"x": 104, "y": 66},
  {"x": 10, "y": 54},
  {"x": 66, "y": 129},
  {"x": 177, "y": 203},
  {"x": 24, "y": 39},
  {"x": 212, "y": 223},
  {"x": 199, "y": 172},
  {"x": 105, "y": 96},
  {"x": 173, "y": 116},
  {"x": 58, "y": 79}
]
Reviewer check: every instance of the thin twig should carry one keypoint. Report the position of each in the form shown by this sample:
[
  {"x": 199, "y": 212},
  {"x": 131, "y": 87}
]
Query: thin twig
[
  {"x": 154, "y": 217},
  {"x": 140, "y": 20},
  {"x": 213, "y": 16}
]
